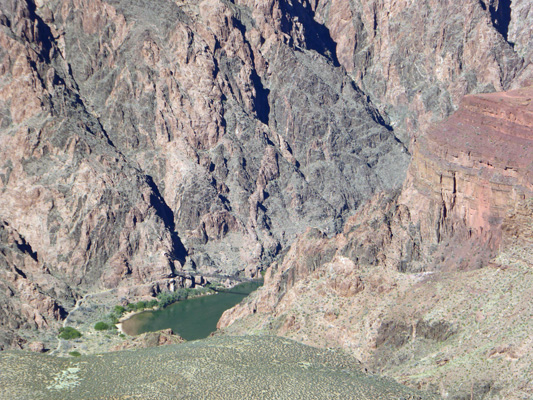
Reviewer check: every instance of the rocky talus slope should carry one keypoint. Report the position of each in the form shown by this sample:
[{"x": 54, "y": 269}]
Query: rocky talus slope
[{"x": 430, "y": 285}]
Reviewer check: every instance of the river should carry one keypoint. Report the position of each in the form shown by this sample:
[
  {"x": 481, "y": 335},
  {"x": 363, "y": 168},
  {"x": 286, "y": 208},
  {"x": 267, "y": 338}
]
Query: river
[{"x": 193, "y": 318}]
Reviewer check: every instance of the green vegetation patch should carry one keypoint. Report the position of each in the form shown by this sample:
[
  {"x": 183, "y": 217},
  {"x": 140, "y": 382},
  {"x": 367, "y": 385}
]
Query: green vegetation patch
[
  {"x": 101, "y": 326},
  {"x": 119, "y": 310},
  {"x": 69, "y": 333},
  {"x": 167, "y": 298}
]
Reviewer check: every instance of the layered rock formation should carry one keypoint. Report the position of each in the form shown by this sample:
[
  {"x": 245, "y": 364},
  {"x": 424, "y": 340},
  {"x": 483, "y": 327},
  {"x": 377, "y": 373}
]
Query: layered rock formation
[
  {"x": 424, "y": 285},
  {"x": 470, "y": 174}
]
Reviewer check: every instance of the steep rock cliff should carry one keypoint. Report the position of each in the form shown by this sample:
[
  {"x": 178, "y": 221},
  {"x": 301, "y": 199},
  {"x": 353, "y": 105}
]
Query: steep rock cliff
[
  {"x": 416, "y": 60},
  {"x": 208, "y": 102},
  {"x": 75, "y": 213},
  {"x": 145, "y": 140},
  {"x": 424, "y": 285},
  {"x": 471, "y": 173}
]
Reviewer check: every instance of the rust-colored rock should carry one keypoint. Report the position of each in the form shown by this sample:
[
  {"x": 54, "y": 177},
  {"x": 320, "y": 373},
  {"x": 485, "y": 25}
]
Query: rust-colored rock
[{"x": 473, "y": 171}]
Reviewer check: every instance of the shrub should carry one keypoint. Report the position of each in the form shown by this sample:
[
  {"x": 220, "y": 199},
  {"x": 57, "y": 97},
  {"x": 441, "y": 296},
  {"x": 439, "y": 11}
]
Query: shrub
[
  {"x": 69, "y": 333},
  {"x": 119, "y": 310},
  {"x": 141, "y": 305},
  {"x": 130, "y": 307},
  {"x": 152, "y": 303},
  {"x": 101, "y": 326},
  {"x": 167, "y": 298},
  {"x": 113, "y": 319},
  {"x": 75, "y": 353}
]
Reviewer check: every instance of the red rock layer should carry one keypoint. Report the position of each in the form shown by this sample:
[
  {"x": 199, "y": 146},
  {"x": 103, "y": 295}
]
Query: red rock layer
[{"x": 475, "y": 169}]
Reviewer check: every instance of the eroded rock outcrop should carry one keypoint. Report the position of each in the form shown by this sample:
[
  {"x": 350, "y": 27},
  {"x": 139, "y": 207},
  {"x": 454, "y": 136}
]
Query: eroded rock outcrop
[
  {"x": 75, "y": 213},
  {"x": 164, "y": 337},
  {"x": 471, "y": 173},
  {"x": 129, "y": 129}
]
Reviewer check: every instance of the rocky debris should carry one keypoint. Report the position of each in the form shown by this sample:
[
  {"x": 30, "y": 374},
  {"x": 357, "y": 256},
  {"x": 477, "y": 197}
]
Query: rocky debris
[
  {"x": 421, "y": 283},
  {"x": 37, "y": 347},
  {"x": 149, "y": 339}
]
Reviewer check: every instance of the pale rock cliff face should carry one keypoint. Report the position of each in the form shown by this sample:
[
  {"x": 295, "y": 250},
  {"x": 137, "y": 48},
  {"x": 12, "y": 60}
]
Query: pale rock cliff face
[
  {"x": 424, "y": 285},
  {"x": 520, "y": 32}
]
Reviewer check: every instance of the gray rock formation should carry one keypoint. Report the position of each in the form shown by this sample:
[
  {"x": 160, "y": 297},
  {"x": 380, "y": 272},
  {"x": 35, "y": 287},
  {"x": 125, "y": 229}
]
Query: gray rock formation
[{"x": 131, "y": 127}]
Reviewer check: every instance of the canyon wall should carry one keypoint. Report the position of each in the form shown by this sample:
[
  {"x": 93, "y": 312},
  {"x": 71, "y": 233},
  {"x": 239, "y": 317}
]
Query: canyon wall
[
  {"x": 143, "y": 142},
  {"x": 146, "y": 141},
  {"x": 416, "y": 60},
  {"x": 429, "y": 285}
]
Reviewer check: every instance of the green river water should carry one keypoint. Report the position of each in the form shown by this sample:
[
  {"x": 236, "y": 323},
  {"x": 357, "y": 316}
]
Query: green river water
[{"x": 192, "y": 319}]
